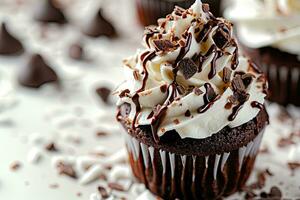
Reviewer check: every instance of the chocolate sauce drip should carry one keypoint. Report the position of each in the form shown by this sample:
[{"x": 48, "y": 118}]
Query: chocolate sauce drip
[
  {"x": 235, "y": 111},
  {"x": 258, "y": 105},
  {"x": 235, "y": 58},
  {"x": 213, "y": 71},
  {"x": 159, "y": 116},
  {"x": 184, "y": 49},
  {"x": 208, "y": 98},
  {"x": 147, "y": 56}
]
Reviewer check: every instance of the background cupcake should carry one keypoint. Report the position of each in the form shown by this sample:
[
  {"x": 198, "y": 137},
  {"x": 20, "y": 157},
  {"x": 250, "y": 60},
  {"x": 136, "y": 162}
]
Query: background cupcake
[
  {"x": 192, "y": 107},
  {"x": 151, "y": 10},
  {"x": 269, "y": 32}
]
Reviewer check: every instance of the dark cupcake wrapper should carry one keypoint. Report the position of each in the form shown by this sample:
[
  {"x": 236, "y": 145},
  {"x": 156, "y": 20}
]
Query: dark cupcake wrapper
[
  {"x": 170, "y": 175},
  {"x": 284, "y": 83},
  {"x": 151, "y": 10}
]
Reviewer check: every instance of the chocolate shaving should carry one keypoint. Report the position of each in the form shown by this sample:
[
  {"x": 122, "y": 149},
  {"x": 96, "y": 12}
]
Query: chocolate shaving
[
  {"x": 221, "y": 36},
  {"x": 104, "y": 94},
  {"x": 51, "y": 147},
  {"x": 103, "y": 192},
  {"x": 116, "y": 186},
  {"x": 15, "y": 166},
  {"x": 187, "y": 67},
  {"x": 197, "y": 91},
  {"x": 163, "y": 45},
  {"x": 187, "y": 113},
  {"x": 101, "y": 134},
  {"x": 66, "y": 169},
  {"x": 247, "y": 79},
  {"x": 227, "y": 74},
  {"x": 238, "y": 84}
]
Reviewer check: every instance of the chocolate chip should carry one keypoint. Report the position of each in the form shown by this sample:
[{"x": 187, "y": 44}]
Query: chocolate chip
[
  {"x": 275, "y": 193},
  {"x": 103, "y": 192},
  {"x": 37, "y": 73},
  {"x": 163, "y": 45},
  {"x": 100, "y": 26},
  {"x": 116, "y": 186},
  {"x": 197, "y": 91},
  {"x": 66, "y": 169},
  {"x": 187, "y": 67},
  {"x": 221, "y": 37},
  {"x": 9, "y": 45},
  {"x": 226, "y": 74},
  {"x": 51, "y": 147},
  {"x": 103, "y": 93},
  {"x": 50, "y": 12},
  {"x": 76, "y": 51}
]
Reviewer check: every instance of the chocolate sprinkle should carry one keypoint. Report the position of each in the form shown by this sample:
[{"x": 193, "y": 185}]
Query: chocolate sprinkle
[
  {"x": 9, "y": 45},
  {"x": 100, "y": 26},
  {"x": 103, "y": 93},
  {"x": 163, "y": 45},
  {"x": 116, "y": 186},
  {"x": 37, "y": 72},
  {"x": 50, "y": 12},
  {"x": 187, "y": 67}
]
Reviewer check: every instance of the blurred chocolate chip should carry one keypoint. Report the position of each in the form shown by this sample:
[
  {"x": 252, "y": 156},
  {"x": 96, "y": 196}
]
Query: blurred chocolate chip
[
  {"x": 51, "y": 147},
  {"x": 103, "y": 93},
  {"x": 226, "y": 74},
  {"x": 9, "y": 45},
  {"x": 76, "y": 51},
  {"x": 103, "y": 192},
  {"x": 163, "y": 45},
  {"x": 36, "y": 73},
  {"x": 50, "y": 12},
  {"x": 100, "y": 26},
  {"x": 187, "y": 67}
]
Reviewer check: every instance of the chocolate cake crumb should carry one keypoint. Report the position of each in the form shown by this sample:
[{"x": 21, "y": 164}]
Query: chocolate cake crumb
[
  {"x": 187, "y": 67},
  {"x": 103, "y": 93},
  {"x": 103, "y": 192},
  {"x": 176, "y": 121},
  {"x": 163, "y": 45},
  {"x": 16, "y": 165},
  {"x": 66, "y": 169},
  {"x": 51, "y": 147},
  {"x": 116, "y": 186}
]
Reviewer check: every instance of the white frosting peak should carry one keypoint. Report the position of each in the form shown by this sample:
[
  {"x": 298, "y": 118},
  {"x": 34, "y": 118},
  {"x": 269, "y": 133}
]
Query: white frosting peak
[{"x": 187, "y": 76}]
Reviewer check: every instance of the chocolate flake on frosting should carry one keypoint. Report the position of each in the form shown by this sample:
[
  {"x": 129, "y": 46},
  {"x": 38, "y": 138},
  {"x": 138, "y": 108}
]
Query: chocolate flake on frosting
[
  {"x": 187, "y": 67},
  {"x": 50, "y": 12},
  {"x": 163, "y": 45},
  {"x": 9, "y": 45}
]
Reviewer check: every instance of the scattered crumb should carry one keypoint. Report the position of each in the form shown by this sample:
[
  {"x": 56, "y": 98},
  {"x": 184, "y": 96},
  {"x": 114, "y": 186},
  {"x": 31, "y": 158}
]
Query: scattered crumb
[{"x": 16, "y": 165}]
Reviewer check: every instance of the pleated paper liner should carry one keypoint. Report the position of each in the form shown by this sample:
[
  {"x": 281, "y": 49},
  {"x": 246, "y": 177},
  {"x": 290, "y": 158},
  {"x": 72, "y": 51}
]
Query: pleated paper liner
[{"x": 171, "y": 175}]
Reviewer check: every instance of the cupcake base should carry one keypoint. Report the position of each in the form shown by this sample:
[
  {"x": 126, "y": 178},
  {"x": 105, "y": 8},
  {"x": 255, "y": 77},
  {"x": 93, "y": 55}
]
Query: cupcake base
[{"x": 170, "y": 175}]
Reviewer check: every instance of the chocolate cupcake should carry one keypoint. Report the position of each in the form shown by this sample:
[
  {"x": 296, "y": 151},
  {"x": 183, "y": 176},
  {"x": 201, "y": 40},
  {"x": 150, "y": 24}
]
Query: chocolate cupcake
[
  {"x": 269, "y": 33},
  {"x": 192, "y": 108},
  {"x": 149, "y": 11}
]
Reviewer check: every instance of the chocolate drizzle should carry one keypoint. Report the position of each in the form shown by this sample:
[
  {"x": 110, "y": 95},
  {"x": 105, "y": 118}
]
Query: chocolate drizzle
[
  {"x": 235, "y": 111},
  {"x": 208, "y": 98},
  {"x": 255, "y": 104}
]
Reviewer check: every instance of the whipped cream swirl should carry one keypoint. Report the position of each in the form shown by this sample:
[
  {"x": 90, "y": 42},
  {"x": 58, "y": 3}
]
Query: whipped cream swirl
[
  {"x": 262, "y": 23},
  {"x": 190, "y": 77}
]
